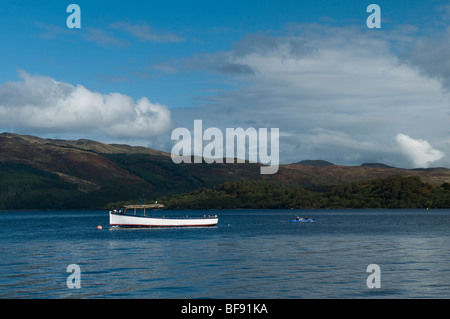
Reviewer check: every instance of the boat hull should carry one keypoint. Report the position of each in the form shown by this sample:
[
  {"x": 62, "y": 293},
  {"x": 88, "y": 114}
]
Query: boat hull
[
  {"x": 123, "y": 220},
  {"x": 303, "y": 221}
]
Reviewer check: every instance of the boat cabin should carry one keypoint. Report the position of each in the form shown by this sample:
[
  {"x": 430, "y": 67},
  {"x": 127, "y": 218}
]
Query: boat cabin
[{"x": 132, "y": 209}]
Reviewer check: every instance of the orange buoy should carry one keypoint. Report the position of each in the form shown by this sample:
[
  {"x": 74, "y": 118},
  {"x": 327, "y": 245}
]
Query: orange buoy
[{"x": 99, "y": 227}]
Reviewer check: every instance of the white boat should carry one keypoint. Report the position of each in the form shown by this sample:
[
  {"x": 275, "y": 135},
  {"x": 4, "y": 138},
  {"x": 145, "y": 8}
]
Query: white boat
[{"x": 135, "y": 216}]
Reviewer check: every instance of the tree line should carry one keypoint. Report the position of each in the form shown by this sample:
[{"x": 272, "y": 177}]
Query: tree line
[
  {"x": 391, "y": 192},
  {"x": 23, "y": 187}
]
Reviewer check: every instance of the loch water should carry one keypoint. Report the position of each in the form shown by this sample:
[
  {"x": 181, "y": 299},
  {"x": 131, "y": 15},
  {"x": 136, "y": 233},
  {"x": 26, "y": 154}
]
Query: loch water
[{"x": 249, "y": 254}]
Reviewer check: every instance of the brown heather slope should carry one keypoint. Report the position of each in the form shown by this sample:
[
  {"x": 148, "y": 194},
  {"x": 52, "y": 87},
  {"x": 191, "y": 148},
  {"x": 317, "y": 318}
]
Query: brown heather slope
[
  {"x": 88, "y": 170},
  {"x": 84, "y": 144},
  {"x": 124, "y": 172},
  {"x": 308, "y": 176},
  {"x": 102, "y": 171},
  {"x": 86, "y": 159}
]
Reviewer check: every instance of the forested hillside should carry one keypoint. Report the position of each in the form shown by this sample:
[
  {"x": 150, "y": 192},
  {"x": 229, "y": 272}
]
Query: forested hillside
[{"x": 390, "y": 192}]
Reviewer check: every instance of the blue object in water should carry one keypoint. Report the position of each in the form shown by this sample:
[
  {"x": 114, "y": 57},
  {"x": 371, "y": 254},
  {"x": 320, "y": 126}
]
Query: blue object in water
[{"x": 303, "y": 220}]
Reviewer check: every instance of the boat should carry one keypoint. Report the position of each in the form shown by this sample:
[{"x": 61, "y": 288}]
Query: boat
[
  {"x": 140, "y": 216},
  {"x": 303, "y": 220}
]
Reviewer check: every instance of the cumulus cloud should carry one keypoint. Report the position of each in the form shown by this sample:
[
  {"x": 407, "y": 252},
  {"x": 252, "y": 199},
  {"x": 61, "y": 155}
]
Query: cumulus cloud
[
  {"x": 419, "y": 151},
  {"x": 40, "y": 103}
]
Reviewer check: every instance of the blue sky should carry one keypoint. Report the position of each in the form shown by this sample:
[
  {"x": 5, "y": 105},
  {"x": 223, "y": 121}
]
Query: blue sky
[{"x": 136, "y": 70}]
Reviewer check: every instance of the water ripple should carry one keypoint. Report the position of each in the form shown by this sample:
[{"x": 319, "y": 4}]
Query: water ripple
[{"x": 251, "y": 254}]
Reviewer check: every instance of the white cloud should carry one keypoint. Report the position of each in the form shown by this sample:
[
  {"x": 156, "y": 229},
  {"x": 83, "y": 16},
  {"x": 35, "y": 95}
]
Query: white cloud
[
  {"x": 420, "y": 152},
  {"x": 340, "y": 93},
  {"x": 40, "y": 103}
]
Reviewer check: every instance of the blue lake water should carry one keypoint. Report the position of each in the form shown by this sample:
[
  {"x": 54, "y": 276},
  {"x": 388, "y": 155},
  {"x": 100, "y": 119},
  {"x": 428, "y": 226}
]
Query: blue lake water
[{"x": 250, "y": 254}]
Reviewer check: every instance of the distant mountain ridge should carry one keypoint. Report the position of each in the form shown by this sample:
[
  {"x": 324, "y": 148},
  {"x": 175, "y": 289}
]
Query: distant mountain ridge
[
  {"x": 38, "y": 173},
  {"x": 315, "y": 163},
  {"x": 84, "y": 144},
  {"x": 377, "y": 165}
]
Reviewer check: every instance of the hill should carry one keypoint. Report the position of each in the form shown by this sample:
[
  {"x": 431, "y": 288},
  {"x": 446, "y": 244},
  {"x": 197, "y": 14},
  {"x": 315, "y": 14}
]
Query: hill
[
  {"x": 315, "y": 163},
  {"x": 37, "y": 173}
]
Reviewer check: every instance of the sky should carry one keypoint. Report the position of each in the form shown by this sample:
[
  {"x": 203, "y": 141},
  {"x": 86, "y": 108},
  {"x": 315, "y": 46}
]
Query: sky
[{"x": 136, "y": 70}]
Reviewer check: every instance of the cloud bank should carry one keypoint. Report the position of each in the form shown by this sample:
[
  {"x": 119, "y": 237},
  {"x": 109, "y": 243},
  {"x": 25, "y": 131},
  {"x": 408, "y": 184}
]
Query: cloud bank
[
  {"x": 44, "y": 105},
  {"x": 347, "y": 95},
  {"x": 340, "y": 94}
]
